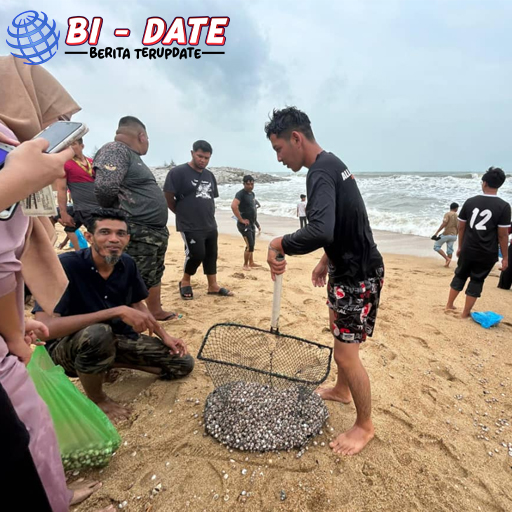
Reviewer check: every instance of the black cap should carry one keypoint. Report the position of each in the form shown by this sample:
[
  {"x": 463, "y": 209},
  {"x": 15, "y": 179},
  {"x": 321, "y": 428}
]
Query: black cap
[{"x": 247, "y": 178}]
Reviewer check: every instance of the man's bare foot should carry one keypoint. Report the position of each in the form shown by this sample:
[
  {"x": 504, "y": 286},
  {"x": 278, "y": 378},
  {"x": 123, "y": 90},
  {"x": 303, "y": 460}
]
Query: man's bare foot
[
  {"x": 82, "y": 489},
  {"x": 113, "y": 410},
  {"x": 246, "y": 267},
  {"x": 448, "y": 261},
  {"x": 334, "y": 394},
  {"x": 450, "y": 307},
  {"x": 353, "y": 441},
  {"x": 255, "y": 265},
  {"x": 465, "y": 315}
]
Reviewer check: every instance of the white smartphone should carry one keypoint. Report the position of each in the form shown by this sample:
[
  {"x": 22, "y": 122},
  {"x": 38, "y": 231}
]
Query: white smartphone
[{"x": 62, "y": 134}]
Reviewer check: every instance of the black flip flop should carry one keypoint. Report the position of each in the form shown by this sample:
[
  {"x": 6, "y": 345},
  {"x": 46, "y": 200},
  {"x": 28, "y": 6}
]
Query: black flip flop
[
  {"x": 186, "y": 292},
  {"x": 223, "y": 292}
]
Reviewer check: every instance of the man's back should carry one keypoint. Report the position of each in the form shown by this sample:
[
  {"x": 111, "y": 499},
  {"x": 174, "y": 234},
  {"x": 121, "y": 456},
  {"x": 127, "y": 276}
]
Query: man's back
[
  {"x": 483, "y": 214},
  {"x": 124, "y": 181},
  {"x": 451, "y": 223}
]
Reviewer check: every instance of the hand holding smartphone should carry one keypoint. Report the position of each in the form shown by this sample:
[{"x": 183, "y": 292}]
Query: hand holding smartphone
[{"x": 30, "y": 170}]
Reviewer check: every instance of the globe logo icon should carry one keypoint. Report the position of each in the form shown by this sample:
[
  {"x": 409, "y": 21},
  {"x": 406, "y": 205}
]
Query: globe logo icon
[{"x": 34, "y": 38}]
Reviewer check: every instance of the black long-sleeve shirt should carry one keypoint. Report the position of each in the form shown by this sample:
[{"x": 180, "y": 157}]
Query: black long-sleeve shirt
[{"x": 337, "y": 221}]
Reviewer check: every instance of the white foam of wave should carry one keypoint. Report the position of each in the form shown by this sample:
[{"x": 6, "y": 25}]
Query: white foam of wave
[{"x": 402, "y": 203}]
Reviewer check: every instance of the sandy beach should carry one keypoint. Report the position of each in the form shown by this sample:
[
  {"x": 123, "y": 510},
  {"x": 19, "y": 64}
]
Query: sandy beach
[{"x": 441, "y": 398}]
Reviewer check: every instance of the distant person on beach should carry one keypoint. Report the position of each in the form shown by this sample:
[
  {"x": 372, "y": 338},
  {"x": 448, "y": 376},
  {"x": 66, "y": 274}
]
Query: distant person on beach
[
  {"x": 124, "y": 181},
  {"x": 338, "y": 223},
  {"x": 449, "y": 236},
  {"x": 484, "y": 221},
  {"x": 98, "y": 323},
  {"x": 244, "y": 208},
  {"x": 505, "y": 281},
  {"x": 80, "y": 182},
  {"x": 190, "y": 190},
  {"x": 301, "y": 211}
]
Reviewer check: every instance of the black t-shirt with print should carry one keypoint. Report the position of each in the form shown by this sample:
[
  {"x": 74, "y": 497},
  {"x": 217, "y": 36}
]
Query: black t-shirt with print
[
  {"x": 195, "y": 202},
  {"x": 247, "y": 206},
  {"x": 482, "y": 215},
  {"x": 337, "y": 221}
]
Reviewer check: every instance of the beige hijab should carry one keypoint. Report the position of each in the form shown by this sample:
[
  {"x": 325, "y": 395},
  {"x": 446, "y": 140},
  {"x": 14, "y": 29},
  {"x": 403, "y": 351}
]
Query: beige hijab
[{"x": 31, "y": 99}]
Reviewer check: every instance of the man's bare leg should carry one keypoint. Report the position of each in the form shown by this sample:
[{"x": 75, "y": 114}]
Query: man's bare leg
[
  {"x": 468, "y": 306},
  {"x": 246, "y": 260},
  {"x": 443, "y": 254},
  {"x": 451, "y": 299},
  {"x": 251, "y": 261},
  {"x": 93, "y": 387},
  {"x": 356, "y": 438},
  {"x": 448, "y": 260},
  {"x": 73, "y": 238},
  {"x": 340, "y": 392},
  {"x": 154, "y": 304}
]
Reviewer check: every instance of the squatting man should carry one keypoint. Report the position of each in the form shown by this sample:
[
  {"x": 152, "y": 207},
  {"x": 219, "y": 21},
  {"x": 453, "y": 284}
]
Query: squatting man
[{"x": 99, "y": 321}]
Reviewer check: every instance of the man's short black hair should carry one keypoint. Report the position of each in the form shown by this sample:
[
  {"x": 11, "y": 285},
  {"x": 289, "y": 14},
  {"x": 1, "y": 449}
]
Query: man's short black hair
[
  {"x": 494, "y": 177},
  {"x": 454, "y": 206},
  {"x": 131, "y": 121},
  {"x": 105, "y": 214},
  {"x": 248, "y": 178},
  {"x": 303, "y": 196},
  {"x": 203, "y": 146},
  {"x": 290, "y": 119}
]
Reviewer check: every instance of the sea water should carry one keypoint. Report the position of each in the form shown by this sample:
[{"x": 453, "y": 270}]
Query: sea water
[{"x": 408, "y": 203}]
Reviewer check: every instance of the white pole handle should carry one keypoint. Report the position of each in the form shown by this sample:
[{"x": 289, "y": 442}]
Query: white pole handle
[{"x": 276, "y": 303}]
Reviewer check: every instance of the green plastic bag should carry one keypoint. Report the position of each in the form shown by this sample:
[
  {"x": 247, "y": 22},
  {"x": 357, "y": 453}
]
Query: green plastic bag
[{"x": 86, "y": 436}]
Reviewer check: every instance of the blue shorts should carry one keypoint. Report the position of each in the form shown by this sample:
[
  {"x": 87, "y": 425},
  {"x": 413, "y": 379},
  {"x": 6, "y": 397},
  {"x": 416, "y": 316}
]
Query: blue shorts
[{"x": 448, "y": 240}]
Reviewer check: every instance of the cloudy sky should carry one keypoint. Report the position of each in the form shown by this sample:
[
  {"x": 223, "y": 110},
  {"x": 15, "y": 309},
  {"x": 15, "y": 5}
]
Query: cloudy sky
[{"x": 389, "y": 85}]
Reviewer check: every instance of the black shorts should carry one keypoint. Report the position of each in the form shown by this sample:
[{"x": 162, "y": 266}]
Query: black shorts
[
  {"x": 474, "y": 269},
  {"x": 355, "y": 307},
  {"x": 249, "y": 234},
  {"x": 81, "y": 218},
  {"x": 201, "y": 247}
]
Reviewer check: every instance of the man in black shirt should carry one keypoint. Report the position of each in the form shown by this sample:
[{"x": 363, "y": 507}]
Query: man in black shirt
[
  {"x": 483, "y": 225},
  {"x": 244, "y": 208},
  {"x": 190, "y": 190},
  {"x": 98, "y": 323},
  {"x": 338, "y": 223}
]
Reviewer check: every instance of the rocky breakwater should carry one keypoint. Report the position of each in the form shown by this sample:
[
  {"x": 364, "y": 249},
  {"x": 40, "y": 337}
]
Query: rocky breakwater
[{"x": 224, "y": 175}]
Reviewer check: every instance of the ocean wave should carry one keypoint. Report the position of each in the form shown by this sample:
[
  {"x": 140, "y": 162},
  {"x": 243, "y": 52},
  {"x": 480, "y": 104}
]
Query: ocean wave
[{"x": 412, "y": 203}]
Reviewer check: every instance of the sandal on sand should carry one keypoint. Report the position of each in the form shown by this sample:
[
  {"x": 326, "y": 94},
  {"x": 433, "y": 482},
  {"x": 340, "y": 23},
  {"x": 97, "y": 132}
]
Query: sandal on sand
[
  {"x": 186, "y": 292},
  {"x": 223, "y": 292}
]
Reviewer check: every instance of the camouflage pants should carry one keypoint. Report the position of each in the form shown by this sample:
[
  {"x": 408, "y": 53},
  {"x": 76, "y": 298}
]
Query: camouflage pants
[
  {"x": 96, "y": 348},
  {"x": 147, "y": 247}
]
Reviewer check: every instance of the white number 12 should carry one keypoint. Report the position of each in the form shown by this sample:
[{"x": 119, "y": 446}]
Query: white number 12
[{"x": 486, "y": 217}]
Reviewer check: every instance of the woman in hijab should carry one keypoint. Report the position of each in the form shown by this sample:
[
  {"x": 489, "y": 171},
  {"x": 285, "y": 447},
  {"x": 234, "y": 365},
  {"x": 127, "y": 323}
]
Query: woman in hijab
[{"x": 31, "y": 99}]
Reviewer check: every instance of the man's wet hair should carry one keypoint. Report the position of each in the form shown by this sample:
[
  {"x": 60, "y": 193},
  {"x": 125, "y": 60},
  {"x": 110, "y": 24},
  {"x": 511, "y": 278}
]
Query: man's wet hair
[
  {"x": 202, "y": 145},
  {"x": 303, "y": 196},
  {"x": 494, "y": 177},
  {"x": 131, "y": 122},
  {"x": 454, "y": 206},
  {"x": 287, "y": 120},
  {"x": 104, "y": 214}
]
